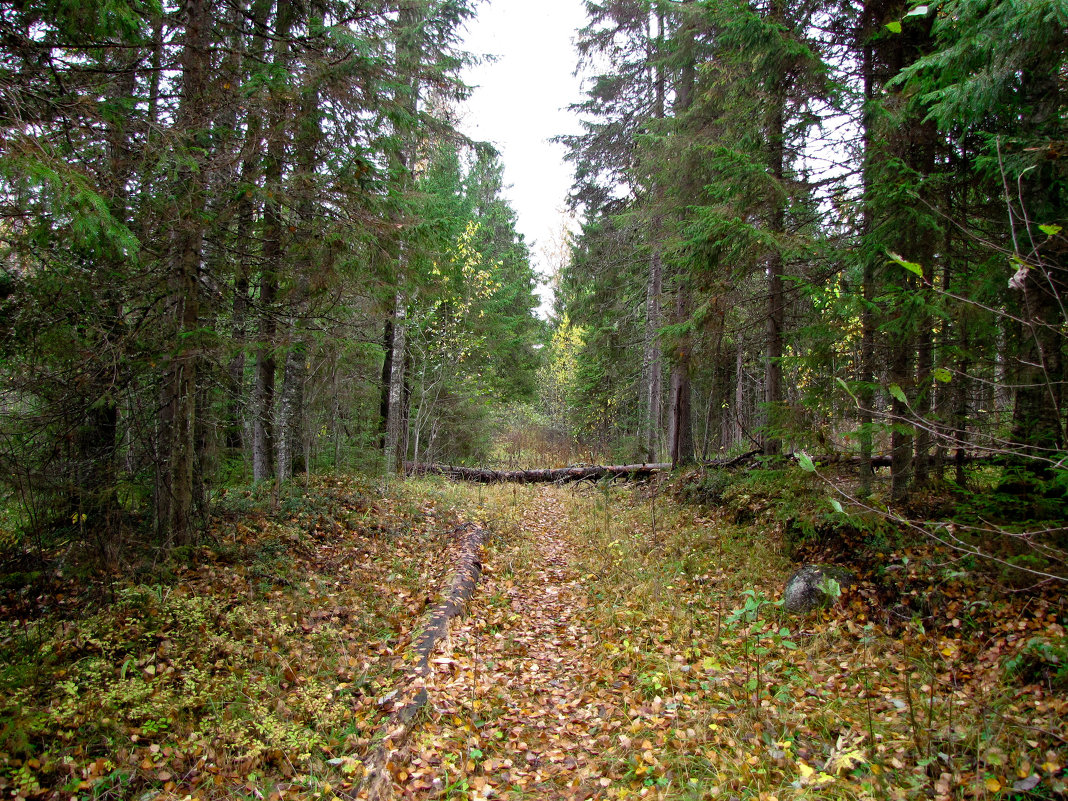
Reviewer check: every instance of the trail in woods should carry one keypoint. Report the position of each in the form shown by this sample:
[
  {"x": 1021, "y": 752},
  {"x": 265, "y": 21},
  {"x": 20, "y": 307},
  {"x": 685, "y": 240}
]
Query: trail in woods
[{"x": 513, "y": 711}]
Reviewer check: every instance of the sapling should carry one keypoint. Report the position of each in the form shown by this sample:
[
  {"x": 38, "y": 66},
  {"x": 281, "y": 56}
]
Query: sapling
[
  {"x": 830, "y": 588},
  {"x": 607, "y": 487},
  {"x": 652, "y": 511}
]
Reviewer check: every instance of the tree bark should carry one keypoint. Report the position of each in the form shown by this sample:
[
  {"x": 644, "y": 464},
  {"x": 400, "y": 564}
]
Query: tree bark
[
  {"x": 652, "y": 356},
  {"x": 387, "y": 373},
  {"x": 263, "y": 433},
  {"x": 294, "y": 375},
  {"x": 396, "y": 420},
  {"x": 291, "y": 411},
  {"x": 377, "y": 780},
  {"x": 248, "y": 175},
  {"x": 776, "y": 221},
  {"x": 558, "y": 475},
  {"x": 409, "y": 57},
  {"x": 1038, "y": 428},
  {"x": 97, "y": 442},
  {"x": 680, "y": 432},
  {"x": 866, "y": 367},
  {"x": 174, "y": 490}
]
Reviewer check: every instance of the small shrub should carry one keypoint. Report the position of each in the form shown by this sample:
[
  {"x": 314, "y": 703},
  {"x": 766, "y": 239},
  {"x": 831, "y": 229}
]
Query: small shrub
[
  {"x": 1041, "y": 660},
  {"x": 709, "y": 489}
]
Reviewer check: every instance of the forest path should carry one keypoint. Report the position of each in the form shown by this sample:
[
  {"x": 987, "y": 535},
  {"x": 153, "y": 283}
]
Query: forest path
[{"x": 513, "y": 711}]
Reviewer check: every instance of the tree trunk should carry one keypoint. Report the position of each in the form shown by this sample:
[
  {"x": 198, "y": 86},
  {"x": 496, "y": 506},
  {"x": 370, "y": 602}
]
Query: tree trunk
[
  {"x": 921, "y": 461},
  {"x": 174, "y": 490},
  {"x": 739, "y": 393},
  {"x": 263, "y": 433},
  {"x": 900, "y": 220},
  {"x": 776, "y": 222},
  {"x": 680, "y": 433},
  {"x": 396, "y": 421},
  {"x": 235, "y": 372},
  {"x": 248, "y": 175},
  {"x": 963, "y": 384},
  {"x": 409, "y": 57},
  {"x": 1038, "y": 414},
  {"x": 294, "y": 377},
  {"x": 263, "y": 389},
  {"x": 866, "y": 371},
  {"x": 652, "y": 357},
  {"x": 557, "y": 475},
  {"x": 97, "y": 442},
  {"x": 291, "y": 411},
  {"x": 387, "y": 373}
]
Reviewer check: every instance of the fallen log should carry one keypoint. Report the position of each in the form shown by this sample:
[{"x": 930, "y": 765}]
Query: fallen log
[
  {"x": 377, "y": 782},
  {"x": 558, "y": 475},
  {"x": 561, "y": 475}
]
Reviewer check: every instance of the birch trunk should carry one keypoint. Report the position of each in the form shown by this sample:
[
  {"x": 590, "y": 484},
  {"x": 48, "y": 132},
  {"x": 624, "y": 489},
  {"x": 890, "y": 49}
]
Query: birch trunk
[{"x": 396, "y": 422}]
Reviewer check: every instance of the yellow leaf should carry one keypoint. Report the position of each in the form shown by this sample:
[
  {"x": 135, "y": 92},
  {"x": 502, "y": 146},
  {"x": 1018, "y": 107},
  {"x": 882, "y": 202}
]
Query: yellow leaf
[
  {"x": 992, "y": 784},
  {"x": 806, "y": 771},
  {"x": 848, "y": 760}
]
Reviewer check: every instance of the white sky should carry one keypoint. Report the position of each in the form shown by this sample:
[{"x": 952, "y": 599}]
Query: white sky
[{"x": 520, "y": 102}]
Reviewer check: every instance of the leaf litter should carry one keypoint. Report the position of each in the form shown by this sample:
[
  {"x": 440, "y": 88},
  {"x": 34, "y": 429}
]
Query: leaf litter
[
  {"x": 624, "y": 646},
  {"x": 252, "y": 669},
  {"x": 514, "y": 711},
  {"x": 620, "y": 645}
]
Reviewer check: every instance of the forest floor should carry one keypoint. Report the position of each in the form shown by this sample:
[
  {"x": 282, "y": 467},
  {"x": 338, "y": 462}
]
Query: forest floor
[
  {"x": 620, "y": 644},
  {"x": 516, "y": 709}
]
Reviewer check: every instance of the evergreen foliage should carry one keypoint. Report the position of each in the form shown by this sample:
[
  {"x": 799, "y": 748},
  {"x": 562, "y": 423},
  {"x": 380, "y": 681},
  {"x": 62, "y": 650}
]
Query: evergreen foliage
[
  {"x": 208, "y": 210},
  {"x": 860, "y": 211}
]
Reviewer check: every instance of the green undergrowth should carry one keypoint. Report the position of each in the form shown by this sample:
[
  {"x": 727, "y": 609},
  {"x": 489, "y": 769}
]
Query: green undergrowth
[
  {"x": 961, "y": 696},
  {"x": 794, "y": 504},
  {"x": 248, "y": 665}
]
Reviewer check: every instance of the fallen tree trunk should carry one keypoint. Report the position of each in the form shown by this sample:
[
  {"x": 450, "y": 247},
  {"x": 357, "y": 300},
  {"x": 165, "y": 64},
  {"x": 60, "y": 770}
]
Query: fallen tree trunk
[
  {"x": 557, "y": 475},
  {"x": 378, "y": 764},
  {"x": 561, "y": 475}
]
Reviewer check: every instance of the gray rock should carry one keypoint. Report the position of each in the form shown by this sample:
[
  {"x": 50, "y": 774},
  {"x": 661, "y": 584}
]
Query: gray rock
[{"x": 802, "y": 593}]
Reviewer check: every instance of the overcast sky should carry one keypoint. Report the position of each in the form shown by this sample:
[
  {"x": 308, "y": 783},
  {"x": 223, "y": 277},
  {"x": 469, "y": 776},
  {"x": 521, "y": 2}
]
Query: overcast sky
[{"x": 520, "y": 103}]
